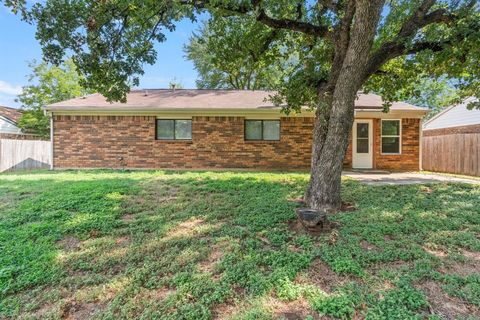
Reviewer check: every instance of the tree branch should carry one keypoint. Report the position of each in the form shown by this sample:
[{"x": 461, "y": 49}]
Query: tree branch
[
  {"x": 294, "y": 25},
  {"x": 263, "y": 17},
  {"x": 398, "y": 46},
  {"x": 265, "y": 45},
  {"x": 412, "y": 24},
  {"x": 342, "y": 39}
]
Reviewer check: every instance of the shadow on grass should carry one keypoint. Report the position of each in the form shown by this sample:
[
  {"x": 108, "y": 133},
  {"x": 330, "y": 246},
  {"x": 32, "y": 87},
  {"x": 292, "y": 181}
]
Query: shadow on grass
[
  {"x": 109, "y": 243},
  {"x": 200, "y": 245}
]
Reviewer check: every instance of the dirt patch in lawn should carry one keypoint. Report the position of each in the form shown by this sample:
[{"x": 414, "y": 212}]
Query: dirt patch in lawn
[
  {"x": 460, "y": 268},
  {"x": 368, "y": 246},
  {"x": 395, "y": 266},
  {"x": 95, "y": 233},
  {"x": 128, "y": 217},
  {"x": 185, "y": 228},
  {"x": 225, "y": 310},
  {"x": 154, "y": 294},
  {"x": 217, "y": 253},
  {"x": 437, "y": 253},
  {"x": 163, "y": 293},
  {"x": 145, "y": 297},
  {"x": 445, "y": 306},
  {"x": 69, "y": 243},
  {"x": 426, "y": 189},
  {"x": 470, "y": 255},
  {"x": 388, "y": 237},
  {"x": 468, "y": 266},
  {"x": 44, "y": 311},
  {"x": 320, "y": 275},
  {"x": 123, "y": 241},
  {"x": 74, "y": 310},
  {"x": 291, "y": 310},
  {"x": 288, "y": 310}
]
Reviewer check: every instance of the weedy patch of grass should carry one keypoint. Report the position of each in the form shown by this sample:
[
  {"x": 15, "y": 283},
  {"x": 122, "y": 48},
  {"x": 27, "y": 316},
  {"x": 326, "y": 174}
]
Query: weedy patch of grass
[{"x": 201, "y": 245}]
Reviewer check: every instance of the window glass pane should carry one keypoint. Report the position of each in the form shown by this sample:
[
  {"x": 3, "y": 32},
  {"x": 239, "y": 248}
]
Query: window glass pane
[
  {"x": 165, "y": 129},
  {"x": 183, "y": 129},
  {"x": 362, "y": 145},
  {"x": 271, "y": 130},
  {"x": 391, "y": 128},
  {"x": 362, "y": 130},
  {"x": 390, "y": 144},
  {"x": 253, "y": 130}
]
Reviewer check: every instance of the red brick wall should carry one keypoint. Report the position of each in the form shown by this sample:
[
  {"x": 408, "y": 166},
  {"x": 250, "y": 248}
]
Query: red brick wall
[{"x": 217, "y": 142}]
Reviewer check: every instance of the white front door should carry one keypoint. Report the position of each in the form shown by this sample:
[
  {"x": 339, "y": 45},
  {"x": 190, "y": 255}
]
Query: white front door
[{"x": 362, "y": 144}]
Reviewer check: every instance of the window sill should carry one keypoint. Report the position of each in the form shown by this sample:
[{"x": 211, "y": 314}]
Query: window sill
[
  {"x": 261, "y": 141},
  {"x": 174, "y": 141},
  {"x": 390, "y": 154}
]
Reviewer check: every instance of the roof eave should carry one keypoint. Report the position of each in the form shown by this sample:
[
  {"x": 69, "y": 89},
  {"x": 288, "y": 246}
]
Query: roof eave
[{"x": 369, "y": 112}]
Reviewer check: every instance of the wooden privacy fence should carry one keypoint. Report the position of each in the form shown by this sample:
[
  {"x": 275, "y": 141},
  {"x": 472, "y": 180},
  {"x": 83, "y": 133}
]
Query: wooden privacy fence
[
  {"x": 24, "y": 154},
  {"x": 452, "y": 153}
]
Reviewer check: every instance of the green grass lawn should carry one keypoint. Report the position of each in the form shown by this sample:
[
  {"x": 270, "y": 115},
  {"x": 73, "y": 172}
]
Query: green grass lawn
[{"x": 202, "y": 245}]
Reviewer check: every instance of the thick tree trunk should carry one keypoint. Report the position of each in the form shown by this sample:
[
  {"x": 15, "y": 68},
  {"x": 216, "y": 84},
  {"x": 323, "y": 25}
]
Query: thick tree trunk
[
  {"x": 335, "y": 114},
  {"x": 328, "y": 152}
]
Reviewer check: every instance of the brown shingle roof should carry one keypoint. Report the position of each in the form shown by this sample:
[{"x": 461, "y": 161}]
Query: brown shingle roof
[
  {"x": 10, "y": 113},
  {"x": 162, "y": 99}
]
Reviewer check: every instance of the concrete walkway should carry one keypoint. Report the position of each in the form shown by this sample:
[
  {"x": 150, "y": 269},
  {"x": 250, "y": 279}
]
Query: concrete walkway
[{"x": 386, "y": 178}]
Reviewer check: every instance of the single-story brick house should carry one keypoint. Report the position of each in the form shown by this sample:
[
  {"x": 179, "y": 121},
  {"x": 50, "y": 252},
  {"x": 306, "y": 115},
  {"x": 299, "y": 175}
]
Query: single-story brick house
[{"x": 221, "y": 129}]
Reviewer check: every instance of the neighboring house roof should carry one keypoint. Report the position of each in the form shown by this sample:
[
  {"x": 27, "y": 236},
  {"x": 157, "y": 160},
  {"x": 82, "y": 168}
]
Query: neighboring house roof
[
  {"x": 11, "y": 114},
  {"x": 454, "y": 116},
  {"x": 199, "y": 99},
  {"x": 8, "y": 120}
]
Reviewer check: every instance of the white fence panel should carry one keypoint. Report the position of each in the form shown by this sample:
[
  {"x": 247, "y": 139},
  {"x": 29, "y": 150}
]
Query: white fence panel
[{"x": 24, "y": 154}]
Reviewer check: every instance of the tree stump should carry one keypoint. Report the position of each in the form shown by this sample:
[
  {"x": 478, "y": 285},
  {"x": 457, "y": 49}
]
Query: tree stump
[{"x": 312, "y": 219}]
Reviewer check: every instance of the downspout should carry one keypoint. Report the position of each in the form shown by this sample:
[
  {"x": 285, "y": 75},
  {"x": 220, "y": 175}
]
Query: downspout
[
  {"x": 420, "y": 164},
  {"x": 51, "y": 137}
]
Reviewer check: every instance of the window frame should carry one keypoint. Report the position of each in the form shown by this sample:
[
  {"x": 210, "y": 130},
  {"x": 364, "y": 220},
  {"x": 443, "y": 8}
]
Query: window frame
[
  {"x": 174, "y": 129},
  {"x": 368, "y": 137},
  {"x": 262, "y": 139},
  {"x": 399, "y": 136}
]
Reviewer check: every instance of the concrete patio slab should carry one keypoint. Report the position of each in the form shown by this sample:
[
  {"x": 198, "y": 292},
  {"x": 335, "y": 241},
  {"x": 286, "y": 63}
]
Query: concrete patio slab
[{"x": 405, "y": 178}]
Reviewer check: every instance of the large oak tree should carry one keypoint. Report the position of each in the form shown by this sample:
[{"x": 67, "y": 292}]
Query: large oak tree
[{"x": 343, "y": 46}]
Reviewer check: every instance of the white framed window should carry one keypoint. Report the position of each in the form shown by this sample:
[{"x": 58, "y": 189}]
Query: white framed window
[
  {"x": 391, "y": 136},
  {"x": 174, "y": 129}
]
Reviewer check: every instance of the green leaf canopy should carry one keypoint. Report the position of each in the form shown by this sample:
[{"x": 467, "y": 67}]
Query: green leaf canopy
[{"x": 289, "y": 46}]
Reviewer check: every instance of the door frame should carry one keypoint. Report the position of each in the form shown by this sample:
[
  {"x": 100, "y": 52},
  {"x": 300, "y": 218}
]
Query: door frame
[{"x": 354, "y": 144}]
